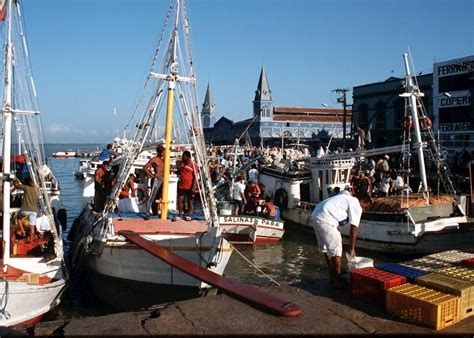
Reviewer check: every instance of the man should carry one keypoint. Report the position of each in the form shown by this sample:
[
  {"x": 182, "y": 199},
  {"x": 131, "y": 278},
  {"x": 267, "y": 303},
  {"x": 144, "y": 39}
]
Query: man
[
  {"x": 154, "y": 169},
  {"x": 269, "y": 209},
  {"x": 106, "y": 154},
  {"x": 187, "y": 185},
  {"x": 238, "y": 195},
  {"x": 326, "y": 217},
  {"x": 101, "y": 186},
  {"x": 30, "y": 202}
]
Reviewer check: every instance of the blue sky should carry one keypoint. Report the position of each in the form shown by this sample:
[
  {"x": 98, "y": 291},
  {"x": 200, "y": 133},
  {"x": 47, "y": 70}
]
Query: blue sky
[{"x": 89, "y": 56}]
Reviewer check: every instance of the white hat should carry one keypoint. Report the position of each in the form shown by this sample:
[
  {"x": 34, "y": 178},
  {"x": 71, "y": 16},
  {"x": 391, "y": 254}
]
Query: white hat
[
  {"x": 387, "y": 157},
  {"x": 347, "y": 187}
]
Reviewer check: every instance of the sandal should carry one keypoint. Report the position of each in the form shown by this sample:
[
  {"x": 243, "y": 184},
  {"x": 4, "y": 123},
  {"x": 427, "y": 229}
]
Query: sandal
[{"x": 187, "y": 218}]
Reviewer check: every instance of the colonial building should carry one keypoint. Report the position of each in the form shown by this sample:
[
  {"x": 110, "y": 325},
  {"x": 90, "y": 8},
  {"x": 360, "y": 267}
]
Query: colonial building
[
  {"x": 448, "y": 91},
  {"x": 379, "y": 108},
  {"x": 272, "y": 124}
]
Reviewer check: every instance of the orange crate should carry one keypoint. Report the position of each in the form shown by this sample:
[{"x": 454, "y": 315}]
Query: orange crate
[
  {"x": 459, "y": 272},
  {"x": 458, "y": 287},
  {"x": 369, "y": 284},
  {"x": 422, "y": 305}
]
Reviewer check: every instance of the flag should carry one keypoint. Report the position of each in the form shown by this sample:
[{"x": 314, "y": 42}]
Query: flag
[{"x": 3, "y": 10}]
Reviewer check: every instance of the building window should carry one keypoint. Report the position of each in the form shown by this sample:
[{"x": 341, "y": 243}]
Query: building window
[
  {"x": 363, "y": 116},
  {"x": 399, "y": 109},
  {"x": 380, "y": 110}
]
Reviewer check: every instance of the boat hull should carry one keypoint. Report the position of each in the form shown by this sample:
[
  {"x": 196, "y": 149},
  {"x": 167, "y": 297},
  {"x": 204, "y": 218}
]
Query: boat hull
[
  {"x": 250, "y": 229},
  {"x": 26, "y": 303}
]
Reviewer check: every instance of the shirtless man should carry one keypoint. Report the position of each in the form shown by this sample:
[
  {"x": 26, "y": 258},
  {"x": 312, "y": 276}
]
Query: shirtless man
[{"x": 154, "y": 169}]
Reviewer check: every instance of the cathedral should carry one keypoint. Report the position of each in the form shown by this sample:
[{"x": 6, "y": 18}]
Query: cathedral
[{"x": 272, "y": 125}]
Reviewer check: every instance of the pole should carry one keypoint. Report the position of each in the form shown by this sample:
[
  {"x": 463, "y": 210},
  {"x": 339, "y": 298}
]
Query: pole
[
  {"x": 344, "y": 121},
  {"x": 167, "y": 160}
]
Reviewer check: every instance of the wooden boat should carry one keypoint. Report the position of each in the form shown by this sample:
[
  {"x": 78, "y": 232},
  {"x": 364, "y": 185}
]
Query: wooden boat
[
  {"x": 97, "y": 245},
  {"x": 33, "y": 275},
  {"x": 65, "y": 154},
  {"x": 409, "y": 224}
]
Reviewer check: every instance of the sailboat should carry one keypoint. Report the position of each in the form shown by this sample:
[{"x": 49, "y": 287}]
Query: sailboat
[
  {"x": 408, "y": 224},
  {"x": 33, "y": 276},
  {"x": 112, "y": 262}
]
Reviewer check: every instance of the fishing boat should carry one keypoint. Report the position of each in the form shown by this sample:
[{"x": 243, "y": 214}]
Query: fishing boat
[
  {"x": 408, "y": 224},
  {"x": 97, "y": 246},
  {"x": 65, "y": 154},
  {"x": 33, "y": 274}
]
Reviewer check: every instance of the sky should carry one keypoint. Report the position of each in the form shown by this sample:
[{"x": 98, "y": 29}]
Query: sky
[{"x": 91, "y": 56}]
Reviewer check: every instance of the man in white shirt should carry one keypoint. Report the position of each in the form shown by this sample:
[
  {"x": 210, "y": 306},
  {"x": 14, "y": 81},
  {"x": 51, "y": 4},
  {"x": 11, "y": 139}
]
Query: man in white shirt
[
  {"x": 327, "y": 216},
  {"x": 238, "y": 195}
]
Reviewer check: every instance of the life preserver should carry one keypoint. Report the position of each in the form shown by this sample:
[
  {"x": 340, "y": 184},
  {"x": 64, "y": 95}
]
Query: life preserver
[
  {"x": 425, "y": 122},
  {"x": 141, "y": 195},
  {"x": 281, "y": 198}
]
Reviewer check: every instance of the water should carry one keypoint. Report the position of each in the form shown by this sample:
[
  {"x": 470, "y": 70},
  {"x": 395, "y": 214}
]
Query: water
[{"x": 295, "y": 257}]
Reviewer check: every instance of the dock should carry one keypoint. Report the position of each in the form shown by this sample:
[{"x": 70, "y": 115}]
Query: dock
[{"x": 325, "y": 311}]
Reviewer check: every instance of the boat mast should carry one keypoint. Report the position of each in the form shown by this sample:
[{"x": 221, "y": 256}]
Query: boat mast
[
  {"x": 412, "y": 92},
  {"x": 7, "y": 131},
  {"x": 172, "y": 78}
]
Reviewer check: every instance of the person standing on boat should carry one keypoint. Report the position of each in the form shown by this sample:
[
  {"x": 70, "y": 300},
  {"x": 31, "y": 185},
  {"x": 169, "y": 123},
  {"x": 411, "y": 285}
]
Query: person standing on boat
[
  {"x": 187, "y": 185},
  {"x": 106, "y": 154},
  {"x": 101, "y": 186},
  {"x": 253, "y": 174},
  {"x": 238, "y": 195},
  {"x": 30, "y": 201},
  {"x": 154, "y": 169},
  {"x": 326, "y": 217}
]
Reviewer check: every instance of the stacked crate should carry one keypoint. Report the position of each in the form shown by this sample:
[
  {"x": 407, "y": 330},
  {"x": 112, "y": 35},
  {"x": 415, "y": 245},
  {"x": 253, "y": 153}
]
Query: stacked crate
[
  {"x": 451, "y": 256},
  {"x": 458, "y": 287},
  {"x": 411, "y": 274},
  {"x": 459, "y": 272},
  {"x": 370, "y": 284},
  {"x": 422, "y": 305},
  {"x": 427, "y": 264}
]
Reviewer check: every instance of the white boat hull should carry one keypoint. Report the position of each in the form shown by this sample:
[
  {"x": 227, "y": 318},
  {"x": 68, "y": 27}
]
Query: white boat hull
[
  {"x": 251, "y": 229},
  {"x": 23, "y": 303}
]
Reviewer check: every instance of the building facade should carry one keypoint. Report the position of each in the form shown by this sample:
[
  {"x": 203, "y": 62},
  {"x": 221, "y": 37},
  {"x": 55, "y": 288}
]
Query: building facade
[{"x": 272, "y": 125}]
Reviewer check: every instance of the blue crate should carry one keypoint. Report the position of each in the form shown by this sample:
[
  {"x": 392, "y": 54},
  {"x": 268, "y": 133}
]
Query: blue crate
[{"x": 410, "y": 273}]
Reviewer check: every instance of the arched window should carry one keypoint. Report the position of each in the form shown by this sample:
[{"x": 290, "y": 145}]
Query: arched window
[
  {"x": 363, "y": 115},
  {"x": 380, "y": 111},
  {"x": 287, "y": 133}
]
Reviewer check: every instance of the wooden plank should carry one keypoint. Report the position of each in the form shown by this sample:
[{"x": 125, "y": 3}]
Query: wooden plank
[{"x": 233, "y": 288}]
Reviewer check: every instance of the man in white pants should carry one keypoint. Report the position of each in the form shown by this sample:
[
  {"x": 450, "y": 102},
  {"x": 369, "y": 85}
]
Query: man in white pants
[{"x": 327, "y": 216}]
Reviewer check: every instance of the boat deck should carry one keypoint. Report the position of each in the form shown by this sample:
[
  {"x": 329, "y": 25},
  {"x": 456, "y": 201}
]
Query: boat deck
[{"x": 159, "y": 226}]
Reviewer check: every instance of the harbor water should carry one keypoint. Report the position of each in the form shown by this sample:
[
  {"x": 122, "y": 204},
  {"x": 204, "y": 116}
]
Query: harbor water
[{"x": 294, "y": 258}]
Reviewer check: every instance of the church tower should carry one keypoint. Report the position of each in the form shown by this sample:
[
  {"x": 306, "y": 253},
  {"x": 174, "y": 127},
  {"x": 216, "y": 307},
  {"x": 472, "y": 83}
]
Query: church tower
[
  {"x": 262, "y": 103},
  {"x": 208, "y": 113}
]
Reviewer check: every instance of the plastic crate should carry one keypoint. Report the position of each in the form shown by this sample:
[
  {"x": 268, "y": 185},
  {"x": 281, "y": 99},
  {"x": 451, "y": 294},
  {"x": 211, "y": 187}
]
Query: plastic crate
[
  {"x": 444, "y": 283},
  {"x": 369, "y": 284},
  {"x": 422, "y": 305},
  {"x": 410, "y": 273},
  {"x": 459, "y": 272},
  {"x": 427, "y": 264},
  {"x": 468, "y": 262},
  {"x": 451, "y": 256}
]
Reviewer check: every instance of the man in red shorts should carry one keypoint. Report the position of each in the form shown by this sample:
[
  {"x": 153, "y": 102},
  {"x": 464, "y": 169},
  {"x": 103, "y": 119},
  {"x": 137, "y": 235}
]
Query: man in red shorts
[{"x": 187, "y": 185}]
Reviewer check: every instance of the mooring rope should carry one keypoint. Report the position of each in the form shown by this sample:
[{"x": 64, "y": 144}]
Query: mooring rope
[
  {"x": 4, "y": 311},
  {"x": 253, "y": 265}
]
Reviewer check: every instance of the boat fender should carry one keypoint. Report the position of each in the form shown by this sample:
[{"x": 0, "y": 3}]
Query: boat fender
[
  {"x": 408, "y": 123},
  {"x": 425, "y": 122},
  {"x": 62, "y": 218},
  {"x": 281, "y": 198}
]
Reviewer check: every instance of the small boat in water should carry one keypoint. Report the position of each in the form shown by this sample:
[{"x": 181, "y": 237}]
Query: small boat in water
[
  {"x": 68, "y": 153},
  {"x": 33, "y": 275}
]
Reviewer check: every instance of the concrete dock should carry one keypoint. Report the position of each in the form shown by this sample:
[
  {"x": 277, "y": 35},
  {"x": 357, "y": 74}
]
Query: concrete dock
[{"x": 325, "y": 311}]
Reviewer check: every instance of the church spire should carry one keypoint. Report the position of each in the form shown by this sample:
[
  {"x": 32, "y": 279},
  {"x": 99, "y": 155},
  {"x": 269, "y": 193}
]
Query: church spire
[
  {"x": 263, "y": 92},
  {"x": 208, "y": 109}
]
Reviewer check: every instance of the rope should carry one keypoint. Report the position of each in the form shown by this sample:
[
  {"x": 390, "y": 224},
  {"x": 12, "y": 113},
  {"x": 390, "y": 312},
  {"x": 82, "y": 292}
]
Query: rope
[
  {"x": 4, "y": 311},
  {"x": 253, "y": 265}
]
